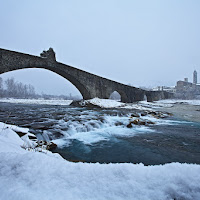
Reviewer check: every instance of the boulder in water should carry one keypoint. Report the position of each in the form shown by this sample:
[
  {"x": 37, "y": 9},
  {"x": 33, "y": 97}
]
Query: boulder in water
[
  {"x": 51, "y": 146},
  {"x": 135, "y": 115},
  {"x": 82, "y": 103}
]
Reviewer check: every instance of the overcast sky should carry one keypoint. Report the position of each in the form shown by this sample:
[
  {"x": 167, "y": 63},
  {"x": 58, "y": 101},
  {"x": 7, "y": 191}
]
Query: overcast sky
[{"x": 143, "y": 42}]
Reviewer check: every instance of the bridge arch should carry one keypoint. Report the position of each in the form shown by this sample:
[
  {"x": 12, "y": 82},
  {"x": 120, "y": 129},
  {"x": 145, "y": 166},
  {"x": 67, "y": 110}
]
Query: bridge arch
[
  {"x": 115, "y": 96},
  {"x": 81, "y": 88},
  {"x": 124, "y": 97},
  {"x": 44, "y": 82},
  {"x": 120, "y": 91},
  {"x": 89, "y": 85}
]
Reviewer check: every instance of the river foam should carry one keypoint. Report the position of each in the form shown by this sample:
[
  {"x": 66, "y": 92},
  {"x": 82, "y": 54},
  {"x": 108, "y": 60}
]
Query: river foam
[{"x": 92, "y": 127}]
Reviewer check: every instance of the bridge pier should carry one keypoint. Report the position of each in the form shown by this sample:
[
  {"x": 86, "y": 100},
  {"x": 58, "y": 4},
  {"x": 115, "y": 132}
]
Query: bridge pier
[{"x": 158, "y": 95}]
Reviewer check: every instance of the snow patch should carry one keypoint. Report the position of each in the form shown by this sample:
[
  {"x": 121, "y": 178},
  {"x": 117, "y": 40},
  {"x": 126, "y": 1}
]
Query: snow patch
[
  {"x": 37, "y": 101},
  {"x": 171, "y": 102},
  {"x": 33, "y": 175},
  {"x": 108, "y": 103},
  {"x": 9, "y": 140},
  {"x": 104, "y": 103}
]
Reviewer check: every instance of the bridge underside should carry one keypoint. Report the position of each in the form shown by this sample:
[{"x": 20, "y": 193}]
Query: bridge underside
[{"x": 89, "y": 85}]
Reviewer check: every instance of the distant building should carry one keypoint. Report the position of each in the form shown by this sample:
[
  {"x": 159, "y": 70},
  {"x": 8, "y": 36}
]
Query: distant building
[
  {"x": 165, "y": 88},
  {"x": 183, "y": 89},
  {"x": 188, "y": 90},
  {"x": 195, "y": 77}
]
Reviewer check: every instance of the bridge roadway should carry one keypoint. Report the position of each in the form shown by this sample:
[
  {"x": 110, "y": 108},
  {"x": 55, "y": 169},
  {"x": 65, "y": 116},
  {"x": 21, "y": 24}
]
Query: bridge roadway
[{"x": 89, "y": 85}]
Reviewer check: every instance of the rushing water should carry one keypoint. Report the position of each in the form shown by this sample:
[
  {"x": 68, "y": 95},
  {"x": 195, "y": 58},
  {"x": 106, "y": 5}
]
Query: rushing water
[{"x": 101, "y": 135}]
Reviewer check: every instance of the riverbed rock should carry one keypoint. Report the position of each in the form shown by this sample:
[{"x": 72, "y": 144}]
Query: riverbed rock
[
  {"x": 32, "y": 137},
  {"x": 150, "y": 122},
  {"x": 129, "y": 125},
  {"x": 135, "y": 115},
  {"x": 82, "y": 103},
  {"x": 152, "y": 113},
  {"x": 144, "y": 114},
  {"x": 136, "y": 121},
  {"x": 118, "y": 123},
  {"x": 76, "y": 103},
  {"x": 142, "y": 123},
  {"x": 159, "y": 114},
  {"x": 20, "y": 133},
  {"x": 139, "y": 122},
  {"x": 51, "y": 146}
]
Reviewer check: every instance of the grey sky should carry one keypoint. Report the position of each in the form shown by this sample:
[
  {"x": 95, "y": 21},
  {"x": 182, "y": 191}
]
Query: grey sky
[{"x": 145, "y": 43}]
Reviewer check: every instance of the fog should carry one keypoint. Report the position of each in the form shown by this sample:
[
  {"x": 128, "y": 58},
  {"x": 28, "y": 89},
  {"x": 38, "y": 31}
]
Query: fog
[{"x": 142, "y": 43}]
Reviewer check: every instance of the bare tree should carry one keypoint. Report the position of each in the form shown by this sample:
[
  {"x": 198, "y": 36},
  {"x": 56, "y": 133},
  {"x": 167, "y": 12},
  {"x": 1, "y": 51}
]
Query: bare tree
[
  {"x": 31, "y": 91},
  {"x": 10, "y": 87},
  {"x": 1, "y": 87},
  {"x": 18, "y": 89}
]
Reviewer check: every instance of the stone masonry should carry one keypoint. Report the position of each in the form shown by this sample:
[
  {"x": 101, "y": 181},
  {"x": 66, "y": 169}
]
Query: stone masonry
[{"x": 88, "y": 84}]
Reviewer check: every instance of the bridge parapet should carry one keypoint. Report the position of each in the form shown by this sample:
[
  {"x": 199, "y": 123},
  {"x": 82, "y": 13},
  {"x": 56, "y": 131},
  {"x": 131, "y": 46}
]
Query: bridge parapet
[{"x": 50, "y": 56}]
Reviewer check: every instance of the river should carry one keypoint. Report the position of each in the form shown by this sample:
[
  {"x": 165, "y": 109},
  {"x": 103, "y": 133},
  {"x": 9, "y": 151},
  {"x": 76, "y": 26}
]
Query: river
[{"x": 102, "y": 135}]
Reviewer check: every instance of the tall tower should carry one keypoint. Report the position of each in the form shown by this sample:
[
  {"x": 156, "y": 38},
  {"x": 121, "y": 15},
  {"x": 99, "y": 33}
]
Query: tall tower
[{"x": 195, "y": 77}]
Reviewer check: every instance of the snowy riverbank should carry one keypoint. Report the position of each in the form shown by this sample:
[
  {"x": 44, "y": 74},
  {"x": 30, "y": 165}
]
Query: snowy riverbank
[
  {"x": 106, "y": 103},
  {"x": 34, "y": 175},
  {"x": 182, "y": 109},
  {"x": 36, "y": 101}
]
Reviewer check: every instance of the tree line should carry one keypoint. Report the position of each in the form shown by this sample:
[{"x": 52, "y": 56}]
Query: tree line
[{"x": 10, "y": 88}]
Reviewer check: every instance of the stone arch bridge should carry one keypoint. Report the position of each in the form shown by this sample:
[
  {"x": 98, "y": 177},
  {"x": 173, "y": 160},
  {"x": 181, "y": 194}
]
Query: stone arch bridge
[{"x": 88, "y": 84}]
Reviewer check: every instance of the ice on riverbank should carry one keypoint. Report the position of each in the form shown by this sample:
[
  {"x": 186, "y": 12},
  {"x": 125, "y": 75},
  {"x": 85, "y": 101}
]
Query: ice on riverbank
[
  {"x": 18, "y": 138},
  {"x": 37, "y": 101},
  {"x": 33, "y": 175},
  {"x": 106, "y": 103},
  {"x": 102, "y": 103}
]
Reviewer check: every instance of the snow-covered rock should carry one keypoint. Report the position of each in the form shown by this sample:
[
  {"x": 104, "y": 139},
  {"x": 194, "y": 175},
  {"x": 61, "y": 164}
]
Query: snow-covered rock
[
  {"x": 105, "y": 103},
  {"x": 108, "y": 103},
  {"x": 9, "y": 140}
]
